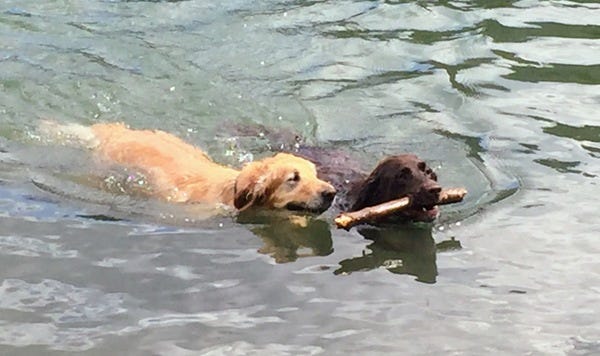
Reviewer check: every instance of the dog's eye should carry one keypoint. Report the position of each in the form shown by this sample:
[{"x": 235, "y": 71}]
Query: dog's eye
[{"x": 294, "y": 177}]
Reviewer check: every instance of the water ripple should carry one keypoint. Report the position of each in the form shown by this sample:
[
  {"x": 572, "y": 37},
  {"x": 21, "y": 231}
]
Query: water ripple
[
  {"x": 246, "y": 348},
  {"x": 32, "y": 247},
  {"x": 234, "y": 318},
  {"x": 63, "y": 303}
]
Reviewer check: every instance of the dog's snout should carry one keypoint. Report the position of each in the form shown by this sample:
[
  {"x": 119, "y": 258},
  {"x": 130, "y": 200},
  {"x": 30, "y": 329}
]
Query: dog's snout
[
  {"x": 328, "y": 194},
  {"x": 435, "y": 190},
  {"x": 432, "y": 187},
  {"x": 427, "y": 195}
]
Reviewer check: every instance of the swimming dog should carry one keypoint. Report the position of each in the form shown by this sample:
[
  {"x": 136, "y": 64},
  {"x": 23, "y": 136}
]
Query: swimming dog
[{"x": 180, "y": 172}]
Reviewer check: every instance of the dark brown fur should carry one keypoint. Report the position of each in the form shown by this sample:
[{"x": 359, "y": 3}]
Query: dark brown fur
[{"x": 394, "y": 177}]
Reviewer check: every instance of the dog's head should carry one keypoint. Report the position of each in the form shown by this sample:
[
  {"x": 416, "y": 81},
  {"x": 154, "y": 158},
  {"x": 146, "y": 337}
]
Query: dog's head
[
  {"x": 399, "y": 176},
  {"x": 283, "y": 181}
]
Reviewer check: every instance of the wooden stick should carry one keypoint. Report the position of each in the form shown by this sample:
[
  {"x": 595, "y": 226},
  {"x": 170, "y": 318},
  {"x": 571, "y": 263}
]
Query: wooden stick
[
  {"x": 370, "y": 213},
  {"x": 451, "y": 196}
]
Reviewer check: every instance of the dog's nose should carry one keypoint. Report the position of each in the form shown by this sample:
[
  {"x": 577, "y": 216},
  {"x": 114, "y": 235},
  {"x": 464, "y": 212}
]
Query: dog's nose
[
  {"x": 328, "y": 194},
  {"x": 432, "y": 187},
  {"x": 435, "y": 190}
]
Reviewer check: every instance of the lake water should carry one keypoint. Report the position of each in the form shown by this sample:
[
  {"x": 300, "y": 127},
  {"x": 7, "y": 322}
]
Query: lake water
[{"x": 501, "y": 97}]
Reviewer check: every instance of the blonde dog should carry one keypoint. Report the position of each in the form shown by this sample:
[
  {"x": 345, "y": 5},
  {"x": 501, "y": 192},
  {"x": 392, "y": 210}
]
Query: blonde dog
[{"x": 180, "y": 172}]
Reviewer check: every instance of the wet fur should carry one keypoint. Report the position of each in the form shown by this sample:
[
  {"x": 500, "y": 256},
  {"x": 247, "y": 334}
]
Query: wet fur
[
  {"x": 392, "y": 178},
  {"x": 180, "y": 172}
]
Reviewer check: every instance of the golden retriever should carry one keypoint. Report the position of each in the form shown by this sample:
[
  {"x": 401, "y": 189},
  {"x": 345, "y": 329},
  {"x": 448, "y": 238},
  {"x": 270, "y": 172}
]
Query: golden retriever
[{"x": 180, "y": 172}]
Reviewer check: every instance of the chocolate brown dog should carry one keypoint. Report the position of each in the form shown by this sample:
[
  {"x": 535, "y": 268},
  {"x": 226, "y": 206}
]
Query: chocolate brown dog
[{"x": 393, "y": 178}]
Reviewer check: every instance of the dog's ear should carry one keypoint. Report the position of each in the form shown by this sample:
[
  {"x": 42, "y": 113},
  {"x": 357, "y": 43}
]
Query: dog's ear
[
  {"x": 251, "y": 186},
  {"x": 391, "y": 179},
  {"x": 366, "y": 191}
]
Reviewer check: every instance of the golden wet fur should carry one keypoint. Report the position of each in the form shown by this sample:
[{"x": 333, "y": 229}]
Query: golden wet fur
[{"x": 180, "y": 172}]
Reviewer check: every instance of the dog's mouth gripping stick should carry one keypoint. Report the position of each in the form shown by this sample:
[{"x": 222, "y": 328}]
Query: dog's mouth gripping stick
[{"x": 347, "y": 220}]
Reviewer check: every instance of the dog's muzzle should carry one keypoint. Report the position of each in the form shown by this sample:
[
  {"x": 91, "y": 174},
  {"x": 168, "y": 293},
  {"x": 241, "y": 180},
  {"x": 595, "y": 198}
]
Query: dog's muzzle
[{"x": 318, "y": 207}]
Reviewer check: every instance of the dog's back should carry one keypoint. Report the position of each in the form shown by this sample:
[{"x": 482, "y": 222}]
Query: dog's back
[{"x": 170, "y": 163}]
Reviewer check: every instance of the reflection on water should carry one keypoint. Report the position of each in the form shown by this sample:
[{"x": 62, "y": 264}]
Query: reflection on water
[
  {"x": 287, "y": 237},
  {"x": 557, "y": 73},
  {"x": 583, "y": 133},
  {"x": 401, "y": 249},
  {"x": 408, "y": 249},
  {"x": 562, "y": 166},
  {"x": 502, "y": 33}
]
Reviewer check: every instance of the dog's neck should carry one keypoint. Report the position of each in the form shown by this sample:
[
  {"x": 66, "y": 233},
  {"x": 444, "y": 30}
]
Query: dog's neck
[
  {"x": 220, "y": 187},
  {"x": 228, "y": 192}
]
